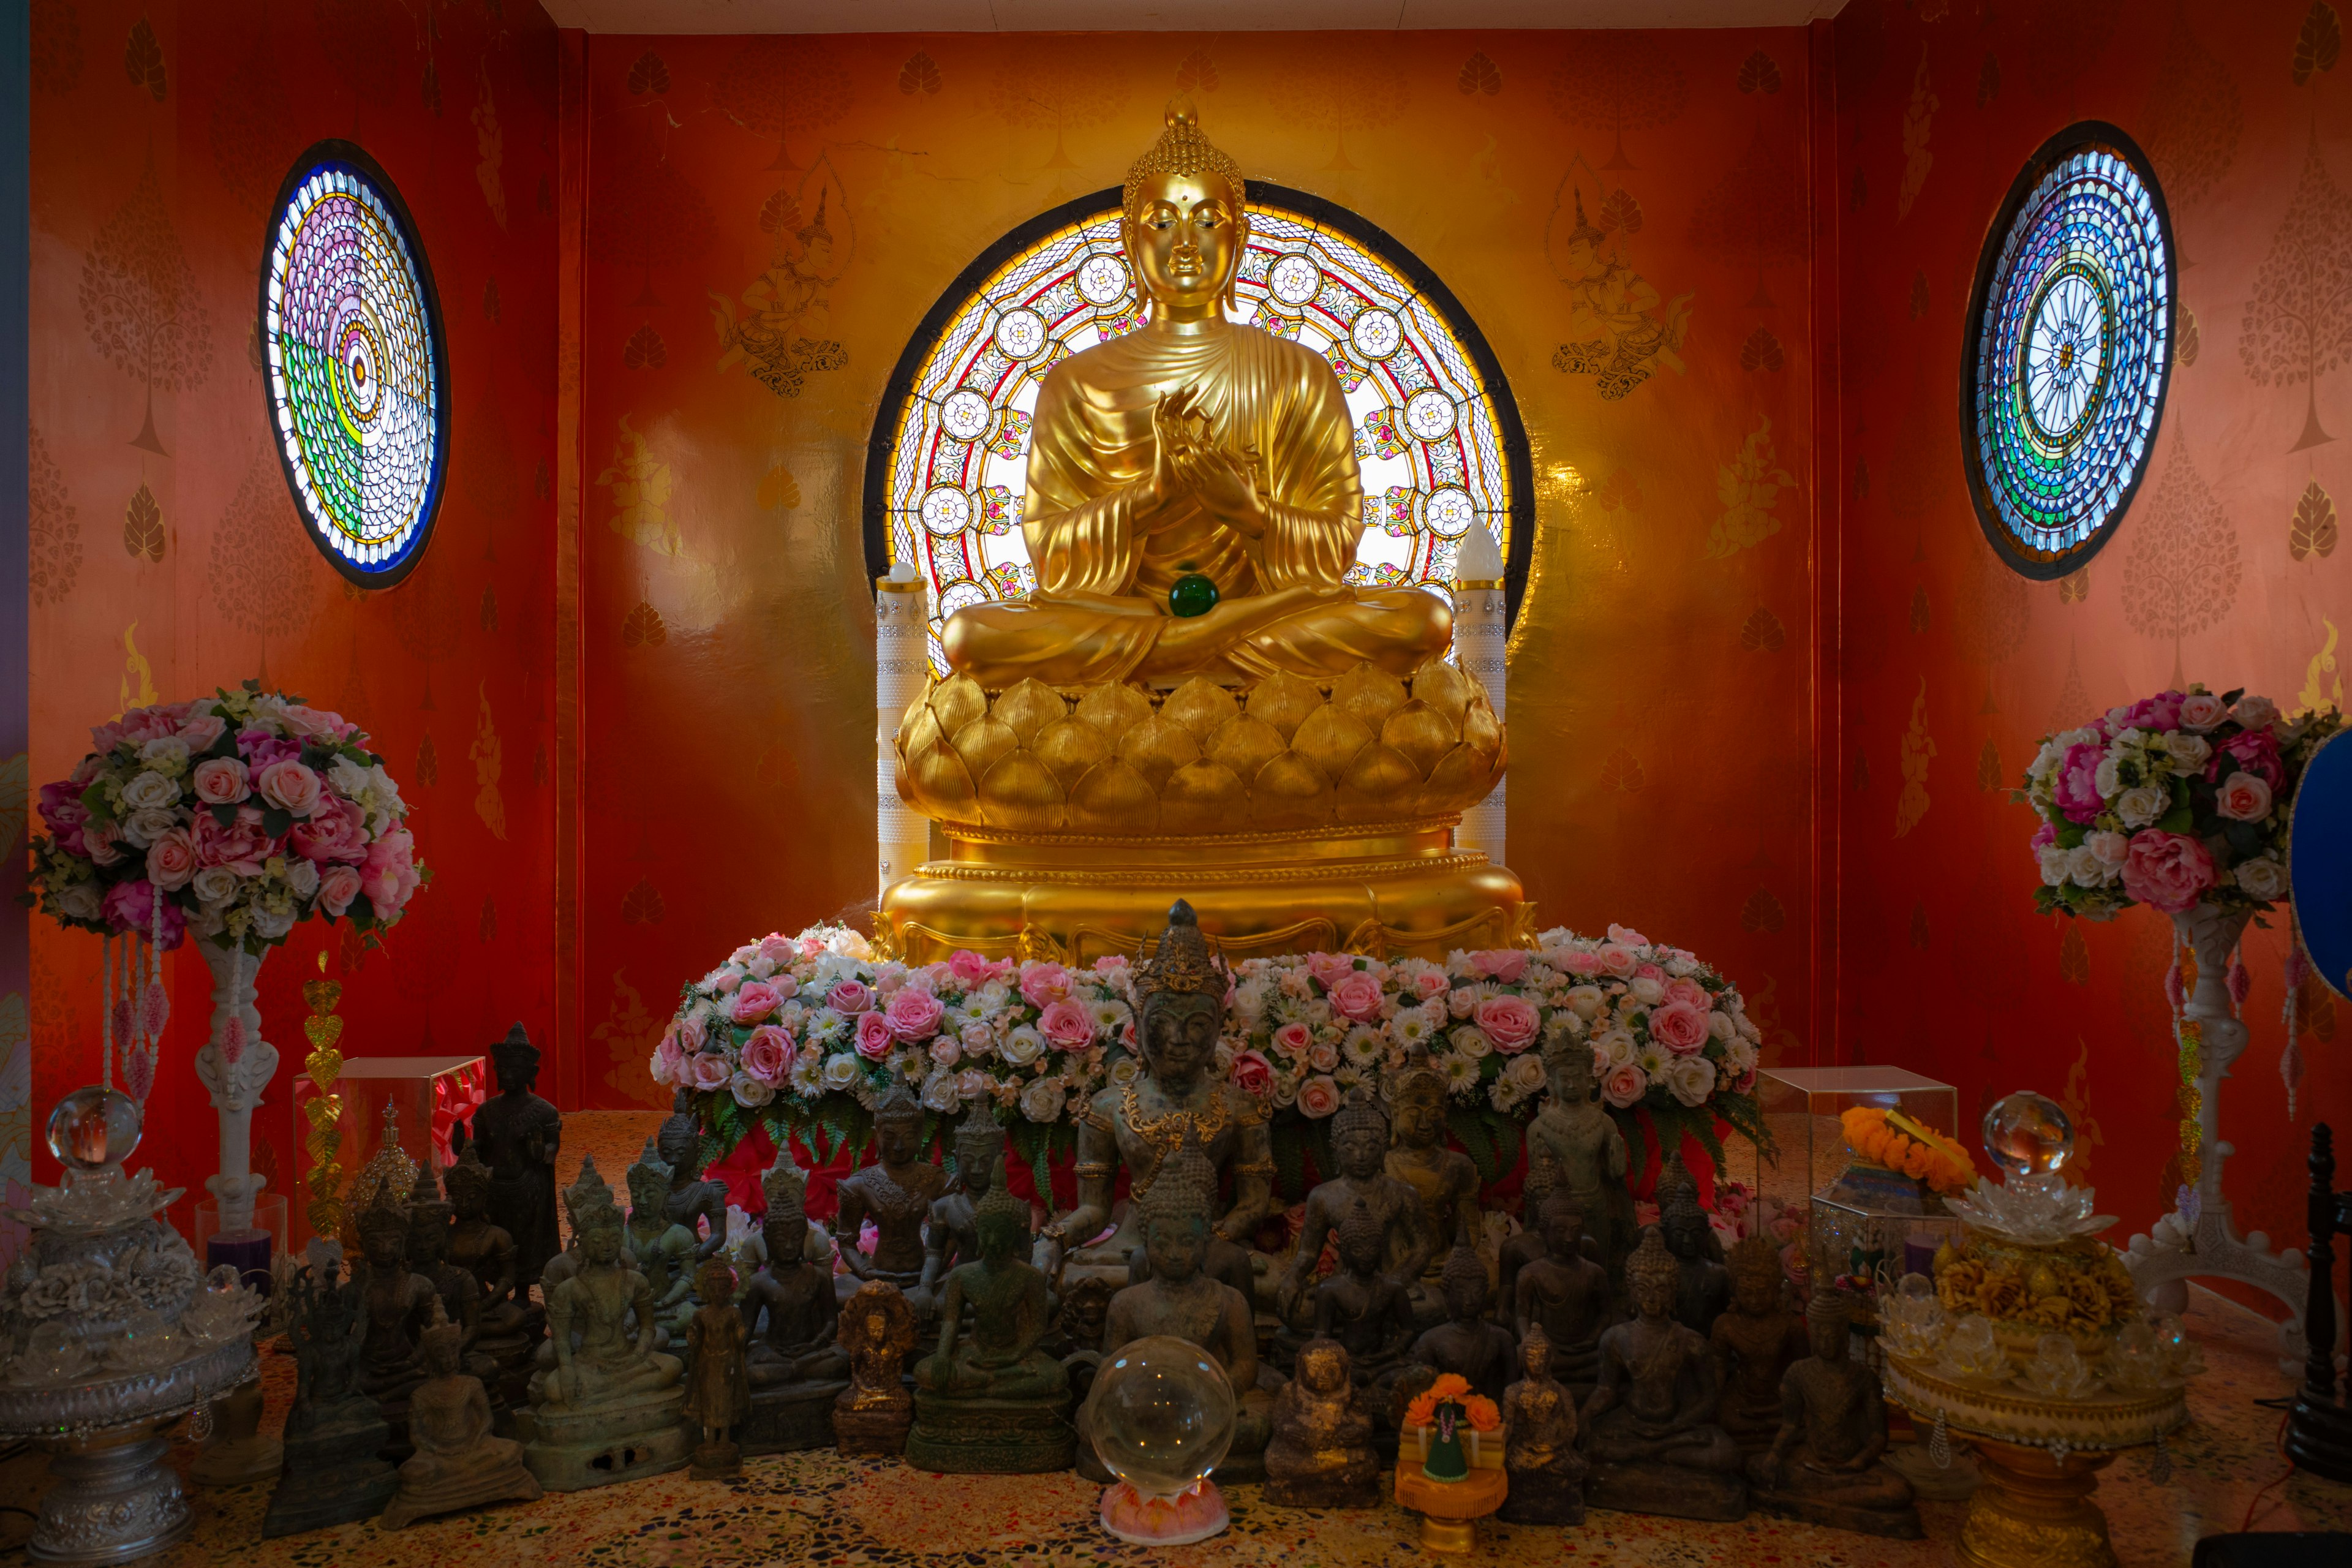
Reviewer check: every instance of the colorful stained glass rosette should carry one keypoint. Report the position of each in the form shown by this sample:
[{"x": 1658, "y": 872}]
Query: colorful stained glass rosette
[
  {"x": 2070, "y": 341},
  {"x": 1427, "y": 434},
  {"x": 356, "y": 375}
]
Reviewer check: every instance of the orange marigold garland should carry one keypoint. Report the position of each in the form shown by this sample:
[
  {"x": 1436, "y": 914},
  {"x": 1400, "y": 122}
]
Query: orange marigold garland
[
  {"x": 1891, "y": 1139},
  {"x": 1452, "y": 1389}
]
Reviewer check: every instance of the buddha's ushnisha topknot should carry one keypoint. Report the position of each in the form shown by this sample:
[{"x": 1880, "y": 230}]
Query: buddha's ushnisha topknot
[{"x": 1182, "y": 149}]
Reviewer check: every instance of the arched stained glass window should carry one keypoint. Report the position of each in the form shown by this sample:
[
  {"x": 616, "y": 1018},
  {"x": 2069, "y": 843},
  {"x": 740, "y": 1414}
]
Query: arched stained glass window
[
  {"x": 2070, "y": 341},
  {"x": 355, "y": 370},
  {"x": 1437, "y": 435}
]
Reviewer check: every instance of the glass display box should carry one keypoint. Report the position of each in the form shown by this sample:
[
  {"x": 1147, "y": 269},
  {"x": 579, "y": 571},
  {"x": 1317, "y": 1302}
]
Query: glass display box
[{"x": 427, "y": 1098}]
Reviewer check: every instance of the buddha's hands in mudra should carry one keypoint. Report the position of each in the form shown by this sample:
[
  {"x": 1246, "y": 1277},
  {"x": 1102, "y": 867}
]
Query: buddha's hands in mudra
[{"x": 1188, "y": 461}]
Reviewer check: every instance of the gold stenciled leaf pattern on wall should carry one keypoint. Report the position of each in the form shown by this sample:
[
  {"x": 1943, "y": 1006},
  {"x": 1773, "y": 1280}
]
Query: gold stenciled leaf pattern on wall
[
  {"x": 1762, "y": 632},
  {"x": 140, "y": 301},
  {"x": 1754, "y": 212},
  {"x": 2318, "y": 43},
  {"x": 1613, "y": 82},
  {"x": 2296, "y": 328},
  {"x": 142, "y": 526},
  {"x": 55, "y": 45},
  {"x": 252, "y": 131},
  {"x": 1918, "y": 749},
  {"x": 1621, "y": 772},
  {"x": 1989, "y": 774},
  {"x": 2312, "y": 530},
  {"x": 1763, "y": 911},
  {"x": 645, "y": 350},
  {"x": 264, "y": 573},
  {"x": 642, "y": 904},
  {"x": 1749, "y": 488},
  {"x": 639, "y": 485},
  {"x": 780, "y": 88},
  {"x": 648, "y": 77},
  {"x": 1918, "y": 123},
  {"x": 1478, "y": 75},
  {"x": 2182, "y": 570},
  {"x": 142, "y": 60},
  {"x": 2193, "y": 116},
  {"x": 488, "y": 756},
  {"x": 1762, "y": 351},
  {"x": 1197, "y": 72},
  {"x": 920, "y": 74},
  {"x": 54, "y": 545},
  {"x": 643, "y": 628}
]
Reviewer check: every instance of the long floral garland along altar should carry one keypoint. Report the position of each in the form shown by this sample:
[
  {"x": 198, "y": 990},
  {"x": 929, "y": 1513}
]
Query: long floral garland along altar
[{"x": 803, "y": 1036}]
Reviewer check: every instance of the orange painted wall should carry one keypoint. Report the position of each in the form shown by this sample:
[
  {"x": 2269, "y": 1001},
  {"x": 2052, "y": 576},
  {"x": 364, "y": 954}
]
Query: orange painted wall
[
  {"x": 1661, "y": 694},
  {"x": 1946, "y": 657},
  {"x": 159, "y": 134}
]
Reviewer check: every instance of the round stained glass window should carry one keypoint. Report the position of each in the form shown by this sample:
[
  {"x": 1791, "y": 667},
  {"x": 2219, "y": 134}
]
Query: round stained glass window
[
  {"x": 1437, "y": 438},
  {"x": 2070, "y": 341},
  {"x": 355, "y": 370}
]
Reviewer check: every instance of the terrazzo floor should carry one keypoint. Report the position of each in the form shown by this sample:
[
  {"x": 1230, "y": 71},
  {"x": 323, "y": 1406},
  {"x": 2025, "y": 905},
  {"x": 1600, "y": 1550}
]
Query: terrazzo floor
[{"x": 825, "y": 1510}]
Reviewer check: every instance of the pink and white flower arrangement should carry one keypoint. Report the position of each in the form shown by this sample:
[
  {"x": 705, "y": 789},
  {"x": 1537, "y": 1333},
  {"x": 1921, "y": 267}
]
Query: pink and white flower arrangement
[
  {"x": 235, "y": 817},
  {"x": 2179, "y": 799}
]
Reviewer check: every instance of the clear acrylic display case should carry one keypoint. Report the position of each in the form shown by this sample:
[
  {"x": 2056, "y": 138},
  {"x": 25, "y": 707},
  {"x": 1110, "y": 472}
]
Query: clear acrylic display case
[{"x": 429, "y": 1096}]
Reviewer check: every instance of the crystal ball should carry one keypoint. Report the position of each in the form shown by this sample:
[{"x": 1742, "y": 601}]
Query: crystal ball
[
  {"x": 2027, "y": 1134},
  {"x": 1163, "y": 1414},
  {"x": 93, "y": 1128}
]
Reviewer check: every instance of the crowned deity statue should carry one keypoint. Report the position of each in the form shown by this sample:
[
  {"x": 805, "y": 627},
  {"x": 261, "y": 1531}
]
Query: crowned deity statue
[
  {"x": 1177, "y": 1101},
  {"x": 895, "y": 1193},
  {"x": 1360, "y": 1145},
  {"x": 659, "y": 1248},
  {"x": 519, "y": 1135},
  {"x": 1446, "y": 1178},
  {"x": 790, "y": 1306},
  {"x": 692, "y": 1201},
  {"x": 1587, "y": 1151},
  {"x": 1192, "y": 447}
]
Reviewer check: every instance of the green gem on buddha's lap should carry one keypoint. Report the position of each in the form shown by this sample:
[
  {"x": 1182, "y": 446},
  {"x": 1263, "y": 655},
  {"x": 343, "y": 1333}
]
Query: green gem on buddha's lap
[{"x": 1192, "y": 594}]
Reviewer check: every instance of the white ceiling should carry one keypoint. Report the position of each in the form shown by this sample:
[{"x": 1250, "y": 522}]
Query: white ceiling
[{"x": 1166, "y": 16}]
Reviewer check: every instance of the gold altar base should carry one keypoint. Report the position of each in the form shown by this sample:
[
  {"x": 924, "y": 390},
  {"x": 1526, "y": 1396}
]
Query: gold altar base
[
  {"x": 2032, "y": 1509},
  {"x": 1394, "y": 891}
]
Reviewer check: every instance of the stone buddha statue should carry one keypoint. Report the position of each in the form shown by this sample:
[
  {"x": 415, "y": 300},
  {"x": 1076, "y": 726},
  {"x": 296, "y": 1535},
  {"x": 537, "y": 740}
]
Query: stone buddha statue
[
  {"x": 949, "y": 1238},
  {"x": 990, "y": 1400},
  {"x": 790, "y": 1309},
  {"x": 1649, "y": 1427},
  {"x": 1526, "y": 1244},
  {"x": 479, "y": 1245},
  {"x": 1192, "y": 447},
  {"x": 1703, "y": 1286},
  {"x": 457, "y": 1464},
  {"x": 698, "y": 1205},
  {"x": 459, "y": 1293},
  {"x": 1446, "y": 1178},
  {"x": 1756, "y": 1340},
  {"x": 1825, "y": 1466},
  {"x": 1587, "y": 1151},
  {"x": 1177, "y": 1300},
  {"x": 1467, "y": 1344},
  {"x": 1360, "y": 1145},
  {"x": 1547, "y": 1473},
  {"x": 895, "y": 1193},
  {"x": 1321, "y": 1454},
  {"x": 519, "y": 1135},
  {"x": 1363, "y": 1310},
  {"x": 606, "y": 1402},
  {"x": 397, "y": 1304},
  {"x": 659, "y": 1248},
  {"x": 1566, "y": 1294},
  {"x": 1177, "y": 1101}
]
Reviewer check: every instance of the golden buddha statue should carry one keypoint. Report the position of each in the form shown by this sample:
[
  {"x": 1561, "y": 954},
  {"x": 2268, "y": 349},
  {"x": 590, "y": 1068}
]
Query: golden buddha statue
[{"x": 1194, "y": 695}]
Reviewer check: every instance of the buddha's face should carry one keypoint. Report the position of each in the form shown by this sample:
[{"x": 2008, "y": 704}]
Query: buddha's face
[
  {"x": 1571, "y": 1078},
  {"x": 787, "y": 1243},
  {"x": 516, "y": 1072},
  {"x": 1828, "y": 1337},
  {"x": 1184, "y": 235},
  {"x": 441, "y": 1353},
  {"x": 1756, "y": 1293},
  {"x": 1175, "y": 1249},
  {"x": 676, "y": 1144},
  {"x": 877, "y": 1329},
  {"x": 1419, "y": 1120},
  {"x": 1091, "y": 1307},
  {"x": 1685, "y": 1233},
  {"x": 1654, "y": 1294},
  {"x": 1563, "y": 1233},
  {"x": 600, "y": 1244},
  {"x": 979, "y": 1175},
  {"x": 717, "y": 1285},
  {"x": 1537, "y": 1354},
  {"x": 1178, "y": 1035},
  {"x": 470, "y": 1200},
  {"x": 386, "y": 1248},
  {"x": 1000, "y": 1238},
  {"x": 1320, "y": 1369},
  {"x": 1361, "y": 1150},
  {"x": 429, "y": 1240},
  {"x": 646, "y": 1191},
  {"x": 895, "y": 1138},
  {"x": 1466, "y": 1300}
]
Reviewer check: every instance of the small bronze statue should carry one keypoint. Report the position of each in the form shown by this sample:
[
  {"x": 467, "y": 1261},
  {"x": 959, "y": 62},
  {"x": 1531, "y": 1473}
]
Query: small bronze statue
[
  {"x": 895, "y": 1193},
  {"x": 1826, "y": 1466},
  {"x": 459, "y": 1293},
  {"x": 1547, "y": 1473},
  {"x": 696, "y": 1206},
  {"x": 1756, "y": 1340},
  {"x": 519, "y": 1135},
  {"x": 1650, "y": 1426},
  {"x": 949, "y": 1238},
  {"x": 510, "y": 1324},
  {"x": 664, "y": 1252},
  {"x": 718, "y": 1386},
  {"x": 1703, "y": 1286},
  {"x": 872, "y": 1415},
  {"x": 395, "y": 1305},
  {"x": 1321, "y": 1454},
  {"x": 1587, "y": 1151},
  {"x": 332, "y": 1473},
  {"x": 1360, "y": 1143},
  {"x": 1566, "y": 1293},
  {"x": 790, "y": 1312},
  {"x": 1480, "y": 1353},
  {"x": 1526, "y": 1245},
  {"x": 1370, "y": 1314},
  {"x": 1446, "y": 1179},
  {"x": 991, "y": 1400},
  {"x": 457, "y": 1464}
]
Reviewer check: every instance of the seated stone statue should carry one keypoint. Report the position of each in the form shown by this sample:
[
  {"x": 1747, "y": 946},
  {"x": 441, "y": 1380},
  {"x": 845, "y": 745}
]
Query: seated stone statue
[
  {"x": 1482, "y": 1353},
  {"x": 1756, "y": 1340},
  {"x": 1526, "y": 1245},
  {"x": 698, "y": 1205},
  {"x": 992, "y": 1400},
  {"x": 789, "y": 1310},
  {"x": 1539, "y": 1457},
  {"x": 1587, "y": 1151},
  {"x": 1649, "y": 1427},
  {"x": 1825, "y": 1467},
  {"x": 332, "y": 1472},
  {"x": 460, "y": 1294},
  {"x": 948, "y": 1238},
  {"x": 396, "y": 1304},
  {"x": 1321, "y": 1454},
  {"x": 718, "y": 1385},
  {"x": 663, "y": 1251},
  {"x": 1567, "y": 1294},
  {"x": 1702, "y": 1285},
  {"x": 510, "y": 1323},
  {"x": 1359, "y": 1142},
  {"x": 457, "y": 1464},
  {"x": 872, "y": 1415},
  {"x": 1192, "y": 445},
  {"x": 1446, "y": 1178},
  {"x": 895, "y": 1193},
  {"x": 605, "y": 1403},
  {"x": 1366, "y": 1311},
  {"x": 1181, "y": 1302}
]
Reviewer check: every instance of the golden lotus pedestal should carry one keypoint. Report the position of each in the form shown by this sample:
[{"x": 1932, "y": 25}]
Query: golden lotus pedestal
[{"x": 1294, "y": 816}]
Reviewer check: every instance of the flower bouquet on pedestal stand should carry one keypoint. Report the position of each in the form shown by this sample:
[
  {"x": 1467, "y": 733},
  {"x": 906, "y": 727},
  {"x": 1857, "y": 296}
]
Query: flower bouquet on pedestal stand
[
  {"x": 2181, "y": 802},
  {"x": 1443, "y": 1473}
]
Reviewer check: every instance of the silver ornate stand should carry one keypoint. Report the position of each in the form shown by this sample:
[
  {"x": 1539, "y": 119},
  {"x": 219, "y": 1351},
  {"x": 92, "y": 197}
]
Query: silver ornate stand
[{"x": 115, "y": 1497}]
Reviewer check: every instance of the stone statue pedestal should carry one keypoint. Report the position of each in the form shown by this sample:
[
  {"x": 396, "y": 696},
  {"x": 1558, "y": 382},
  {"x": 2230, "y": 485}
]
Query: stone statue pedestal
[
  {"x": 1648, "y": 1487},
  {"x": 990, "y": 1437},
  {"x": 333, "y": 1474},
  {"x": 1823, "y": 1509},
  {"x": 878, "y": 1431},
  {"x": 791, "y": 1416},
  {"x": 612, "y": 1440}
]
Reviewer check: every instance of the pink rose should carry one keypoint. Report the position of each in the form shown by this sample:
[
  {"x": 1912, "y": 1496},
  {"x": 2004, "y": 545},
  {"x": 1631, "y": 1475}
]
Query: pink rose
[
  {"x": 1431, "y": 983},
  {"x": 1066, "y": 1025},
  {"x": 145, "y": 724},
  {"x": 1292, "y": 1040},
  {"x": 849, "y": 997},
  {"x": 1323, "y": 1056},
  {"x": 2201, "y": 712},
  {"x": 389, "y": 875},
  {"x": 307, "y": 720},
  {"x": 1504, "y": 964},
  {"x": 1329, "y": 967},
  {"x": 1357, "y": 997},
  {"x": 786, "y": 986},
  {"x": 776, "y": 949},
  {"x": 874, "y": 1035},
  {"x": 219, "y": 781},
  {"x": 1582, "y": 962},
  {"x": 1627, "y": 936},
  {"x": 202, "y": 732},
  {"x": 945, "y": 1051},
  {"x": 1649, "y": 972},
  {"x": 2252, "y": 751},
  {"x": 171, "y": 860},
  {"x": 1319, "y": 1097},
  {"x": 2243, "y": 798},
  {"x": 337, "y": 886},
  {"x": 1042, "y": 983},
  {"x": 2255, "y": 712},
  {"x": 1618, "y": 959},
  {"x": 1511, "y": 1022},
  {"x": 668, "y": 1065},
  {"x": 290, "y": 786},
  {"x": 336, "y": 831},
  {"x": 753, "y": 1001},
  {"x": 729, "y": 979},
  {"x": 2166, "y": 871},
  {"x": 262, "y": 747},
  {"x": 1680, "y": 1028},
  {"x": 2077, "y": 787},
  {"x": 967, "y": 967},
  {"x": 914, "y": 1015},
  {"x": 1690, "y": 991},
  {"x": 768, "y": 1054},
  {"x": 1252, "y": 1073},
  {"x": 241, "y": 846},
  {"x": 708, "y": 1071},
  {"x": 692, "y": 1032},
  {"x": 2043, "y": 836},
  {"x": 2161, "y": 712},
  {"x": 1623, "y": 1085},
  {"x": 132, "y": 905}
]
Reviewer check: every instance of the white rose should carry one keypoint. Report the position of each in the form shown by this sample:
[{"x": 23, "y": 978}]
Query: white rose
[
  {"x": 270, "y": 924},
  {"x": 761, "y": 966},
  {"x": 749, "y": 1092},
  {"x": 2082, "y": 737},
  {"x": 2142, "y": 805},
  {"x": 1646, "y": 990},
  {"x": 166, "y": 754},
  {"x": 214, "y": 885},
  {"x": 2201, "y": 711},
  {"x": 2254, "y": 712},
  {"x": 840, "y": 1071},
  {"x": 2107, "y": 777},
  {"x": 2187, "y": 751},
  {"x": 141, "y": 828},
  {"x": 1525, "y": 1073},
  {"x": 2261, "y": 877},
  {"x": 150, "y": 789},
  {"x": 1042, "y": 1100},
  {"x": 303, "y": 878},
  {"x": 82, "y": 901},
  {"x": 1689, "y": 1080},
  {"x": 1615, "y": 1046},
  {"x": 2111, "y": 847},
  {"x": 2045, "y": 761},
  {"x": 1719, "y": 1024},
  {"x": 1472, "y": 1042},
  {"x": 2085, "y": 869},
  {"x": 1023, "y": 1046},
  {"x": 2054, "y": 865},
  {"x": 942, "y": 1094}
]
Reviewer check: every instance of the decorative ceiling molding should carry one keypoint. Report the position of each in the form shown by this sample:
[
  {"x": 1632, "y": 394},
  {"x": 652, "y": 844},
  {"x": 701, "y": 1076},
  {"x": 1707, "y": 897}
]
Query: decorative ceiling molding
[{"x": 741, "y": 16}]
